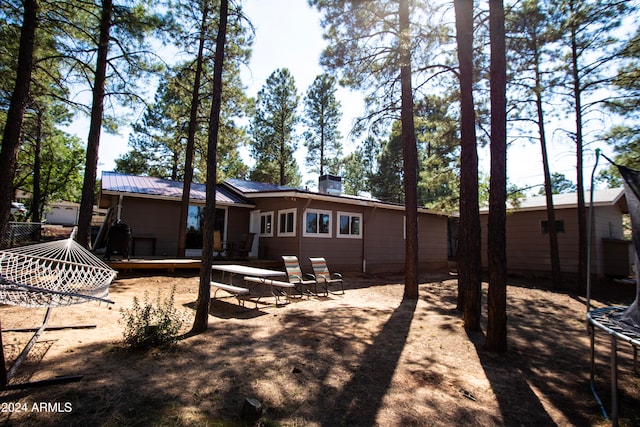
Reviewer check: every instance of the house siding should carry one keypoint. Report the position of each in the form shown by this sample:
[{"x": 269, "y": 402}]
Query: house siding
[
  {"x": 608, "y": 240},
  {"x": 528, "y": 247},
  {"x": 136, "y": 213},
  {"x": 152, "y": 210},
  {"x": 381, "y": 248},
  {"x": 158, "y": 219},
  {"x": 237, "y": 225}
]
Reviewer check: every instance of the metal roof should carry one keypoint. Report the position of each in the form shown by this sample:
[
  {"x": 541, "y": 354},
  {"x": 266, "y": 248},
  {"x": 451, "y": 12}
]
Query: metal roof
[
  {"x": 147, "y": 186},
  {"x": 255, "y": 187},
  {"x": 231, "y": 191},
  {"x": 254, "y": 190},
  {"x": 607, "y": 197}
]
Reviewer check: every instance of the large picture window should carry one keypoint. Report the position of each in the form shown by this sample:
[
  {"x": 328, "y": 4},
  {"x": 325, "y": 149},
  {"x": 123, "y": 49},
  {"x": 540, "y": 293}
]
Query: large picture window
[
  {"x": 317, "y": 223},
  {"x": 287, "y": 223},
  {"x": 349, "y": 225},
  {"x": 266, "y": 224},
  {"x": 195, "y": 222}
]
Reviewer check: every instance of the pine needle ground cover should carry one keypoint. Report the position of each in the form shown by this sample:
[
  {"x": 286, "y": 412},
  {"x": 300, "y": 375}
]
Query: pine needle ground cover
[{"x": 363, "y": 359}]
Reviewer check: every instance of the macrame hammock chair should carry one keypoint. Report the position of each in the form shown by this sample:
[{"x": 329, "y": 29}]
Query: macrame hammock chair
[
  {"x": 47, "y": 275},
  {"x": 621, "y": 323}
]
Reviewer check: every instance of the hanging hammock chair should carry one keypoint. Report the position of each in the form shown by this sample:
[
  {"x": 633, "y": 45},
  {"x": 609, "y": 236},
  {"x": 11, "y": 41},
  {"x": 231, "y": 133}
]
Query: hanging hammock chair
[{"x": 53, "y": 274}]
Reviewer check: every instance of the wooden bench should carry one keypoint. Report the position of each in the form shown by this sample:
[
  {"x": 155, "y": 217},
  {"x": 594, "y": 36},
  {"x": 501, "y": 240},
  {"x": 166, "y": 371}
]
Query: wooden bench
[
  {"x": 236, "y": 291},
  {"x": 273, "y": 284}
]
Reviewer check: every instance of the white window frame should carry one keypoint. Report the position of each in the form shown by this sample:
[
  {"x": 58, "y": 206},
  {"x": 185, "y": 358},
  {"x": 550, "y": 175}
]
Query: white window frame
[
  {"x": 286, "y": 212},
  {"x": 306, "y": 233},
  {"x": 350, "y": 215},
  {"x": 264, "y": 233}
]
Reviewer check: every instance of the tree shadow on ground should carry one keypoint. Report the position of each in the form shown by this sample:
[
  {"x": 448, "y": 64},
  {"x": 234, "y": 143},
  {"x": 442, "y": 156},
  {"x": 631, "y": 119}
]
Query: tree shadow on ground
[
  {"x": 330, "y": 364},
  {"x": 360, "y": 399},
  {"x": 547, "y": 364},
  {"x": 226, "y": 364}
]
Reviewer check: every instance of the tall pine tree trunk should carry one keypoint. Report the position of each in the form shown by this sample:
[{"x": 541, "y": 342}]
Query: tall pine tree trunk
[
  {"x": 191, "y": 138},
  {"x": 410, "y": 155},
  {"x": 35, "y": 210},
  {"x": 15, "y": 115},
  {"x": 554, "y": 251},
  {"x": 469, "y": 250},
  {"x": 496, "y": 339},
  {"x": 204, "y": 290},
  {"x": 13, "y": 129},
  {"x": 582, "y": 215},
  {"x": 536, "y": 49},
  {"x": 93, "y": 143}
]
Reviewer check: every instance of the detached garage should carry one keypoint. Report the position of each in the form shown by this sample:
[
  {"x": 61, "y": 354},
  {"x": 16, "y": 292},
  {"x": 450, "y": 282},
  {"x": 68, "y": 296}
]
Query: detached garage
[{"x": 62, "y": 213}]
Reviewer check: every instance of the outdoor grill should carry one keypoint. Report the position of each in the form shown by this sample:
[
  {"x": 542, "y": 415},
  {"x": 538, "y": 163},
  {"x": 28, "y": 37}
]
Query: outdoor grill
[{"x": 119, "y": 239}]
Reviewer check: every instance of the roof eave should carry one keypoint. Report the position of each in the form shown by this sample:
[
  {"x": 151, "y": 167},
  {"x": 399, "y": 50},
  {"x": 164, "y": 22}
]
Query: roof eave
[
  {"x": 171, "y": 198},
  {"x": 333, "y": 198}
]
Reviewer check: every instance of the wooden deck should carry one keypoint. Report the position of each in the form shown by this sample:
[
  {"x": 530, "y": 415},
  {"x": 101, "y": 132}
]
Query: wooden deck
[{"x": 172, "y": 264}]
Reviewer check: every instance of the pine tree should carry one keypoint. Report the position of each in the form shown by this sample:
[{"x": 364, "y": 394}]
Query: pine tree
[
  {"x": 590, "y": 48},
  {"x": 496, "y": 338},
  {"x": 273, "y": 130},
  {"x": 371, "y": 45},
  {"x": 322, "y": 117},
  {"x": 201, "y": 319},
  {"x": 529, "y": 55},
  {"x": 386, "y": 183},
  {"x": 625, "y": 137},
  {"x": 469, "y": 267},
  {"x": 15, "y": 114}
]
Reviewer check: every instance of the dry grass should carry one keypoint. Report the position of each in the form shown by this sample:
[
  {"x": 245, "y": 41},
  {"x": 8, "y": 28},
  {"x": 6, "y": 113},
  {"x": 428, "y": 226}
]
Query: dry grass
[{"x": 363, "y": 359}]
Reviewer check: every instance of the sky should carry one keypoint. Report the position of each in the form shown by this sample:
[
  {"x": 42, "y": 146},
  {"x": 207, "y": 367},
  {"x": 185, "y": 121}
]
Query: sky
[{"x": 288, "y": 34}]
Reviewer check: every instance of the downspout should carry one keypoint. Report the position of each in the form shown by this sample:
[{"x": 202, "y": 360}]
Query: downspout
[
  {"x": 119, "y": 208},
  {"x": 364, "y": 243}
]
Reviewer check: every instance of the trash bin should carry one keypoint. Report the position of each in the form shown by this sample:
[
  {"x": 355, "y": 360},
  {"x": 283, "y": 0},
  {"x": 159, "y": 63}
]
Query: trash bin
[{"x": 119, "y": 239}]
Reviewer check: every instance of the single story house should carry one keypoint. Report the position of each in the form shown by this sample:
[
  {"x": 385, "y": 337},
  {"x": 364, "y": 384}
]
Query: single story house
[
  {"x": 528, "y": 239},
  {"x": 352, "y": 233}
]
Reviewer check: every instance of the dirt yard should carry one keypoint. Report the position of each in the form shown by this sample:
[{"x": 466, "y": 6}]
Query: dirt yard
[{"x": 365, "y": 358}]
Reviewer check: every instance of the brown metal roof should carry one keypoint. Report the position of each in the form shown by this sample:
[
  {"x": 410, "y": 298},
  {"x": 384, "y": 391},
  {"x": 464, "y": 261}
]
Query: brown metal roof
[{"x": 113, "y": 182}]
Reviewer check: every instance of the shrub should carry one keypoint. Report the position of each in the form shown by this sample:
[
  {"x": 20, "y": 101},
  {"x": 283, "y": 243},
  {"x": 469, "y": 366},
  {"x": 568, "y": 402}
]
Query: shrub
[{"x": 150, "y": 325}]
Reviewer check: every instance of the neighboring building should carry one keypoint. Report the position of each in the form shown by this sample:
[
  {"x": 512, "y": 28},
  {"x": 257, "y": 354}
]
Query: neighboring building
[
  {"x": 62, "y": 213},
  {"x": 66, "y": 214},
  {"x": 352, "y": 233},
  {"x": 528, "y": 239}
]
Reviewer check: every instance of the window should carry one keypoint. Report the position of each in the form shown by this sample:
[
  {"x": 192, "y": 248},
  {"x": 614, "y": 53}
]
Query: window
[
  {"x": 287, "y": 223},
  {"x": 544, "y": 226},
  {"x": 349, "y": 225},
  {"x": 195, "y": 222},
  {"x": 317, "y": 223},
  {"x": 266, "y": 224}
]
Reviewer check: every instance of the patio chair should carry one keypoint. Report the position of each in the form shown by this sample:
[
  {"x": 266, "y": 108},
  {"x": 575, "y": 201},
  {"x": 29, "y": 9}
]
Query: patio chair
[
  {"x": 297, "y": 277},
  {"x": 324, "y": 276},
  {"x": 218, "y": 244},
  {"x": 242, "y": 251}
]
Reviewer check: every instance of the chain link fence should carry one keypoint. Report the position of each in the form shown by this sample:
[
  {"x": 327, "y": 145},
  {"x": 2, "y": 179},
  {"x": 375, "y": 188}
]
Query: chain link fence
[{"x": 19, "y": 233}]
